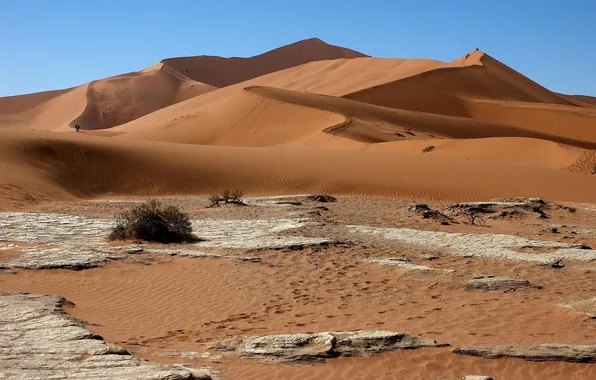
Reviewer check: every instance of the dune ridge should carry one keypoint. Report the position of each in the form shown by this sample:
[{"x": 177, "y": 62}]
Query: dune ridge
[
  {"x": 486, "y": 90},
  {"x": 221, "y": 72},
  {"x": 103, "y": 103}
]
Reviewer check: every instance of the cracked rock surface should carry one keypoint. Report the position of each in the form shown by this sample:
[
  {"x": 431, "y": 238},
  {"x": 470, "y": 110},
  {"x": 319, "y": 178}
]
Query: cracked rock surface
[
  {"x": 497, "y": 246},
  {"x": 74, "y": 242},
  {"x": 316, "y": 347},
  {"x": 574, "y": 353},
  {"x": 405, "y": 263},
  {"x": 39, "y": 341}
]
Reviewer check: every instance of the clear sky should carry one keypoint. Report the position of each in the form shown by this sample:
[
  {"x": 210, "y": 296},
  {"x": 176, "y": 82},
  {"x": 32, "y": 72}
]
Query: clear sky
[{"x": 57, "y": 44}]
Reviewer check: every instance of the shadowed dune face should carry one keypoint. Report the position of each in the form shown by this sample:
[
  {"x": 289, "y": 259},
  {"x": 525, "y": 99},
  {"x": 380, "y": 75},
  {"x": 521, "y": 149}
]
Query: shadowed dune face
[
  {"x": 115, "y": 101},
  {"x": 100, "y": 104},
  {"x": 221, "y": 72},
  {"x": 83, "y": 166}
]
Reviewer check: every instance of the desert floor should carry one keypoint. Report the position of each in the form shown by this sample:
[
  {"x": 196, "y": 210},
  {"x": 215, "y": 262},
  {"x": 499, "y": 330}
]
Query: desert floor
[{"x": 312, "y": 270}]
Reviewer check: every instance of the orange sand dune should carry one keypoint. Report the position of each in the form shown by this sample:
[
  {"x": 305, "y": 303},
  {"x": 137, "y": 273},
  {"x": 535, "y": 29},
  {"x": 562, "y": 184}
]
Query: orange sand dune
[
  {"x": 269, "y": 116},
  {"x": 20, "y": 103},
  {"x": 221, "y": 72},
  {"x": 589, "y": 100},
  {"x": 100, "y": 104},
  {"x": 443, "y": 90},
  {"x": 81, "y": 166},
  {"x": 429, "y": 124},
  {"x": 232, "y": 117},
  {"x": 339, "y": 77},
  {"x": 513, "y": 150},
  {"x": 118, "y": 100},
  {"x": 486, "y": 90}
]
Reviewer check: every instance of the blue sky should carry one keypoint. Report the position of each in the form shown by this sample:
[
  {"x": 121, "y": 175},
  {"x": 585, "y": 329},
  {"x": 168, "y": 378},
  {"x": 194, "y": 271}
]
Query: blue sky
[{"x": 58, "y": 44}]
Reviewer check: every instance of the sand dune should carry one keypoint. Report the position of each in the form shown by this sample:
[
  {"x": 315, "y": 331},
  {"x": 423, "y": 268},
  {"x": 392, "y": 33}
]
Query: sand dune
[
  {"x": 20, "y": 103},
  {"x": 584, "y": 100},
  {"x": 84, "y": 166},
  {"x": 339, "y": 77},
  {"x": 221, "y": 72},
  {"x": 269, "y": 116},
  {"x": 513, "y": 150},
  {"x": 270, "y": 134},
  {"x": 100, "y": 104},
  {"x": 487, "y": 90}
]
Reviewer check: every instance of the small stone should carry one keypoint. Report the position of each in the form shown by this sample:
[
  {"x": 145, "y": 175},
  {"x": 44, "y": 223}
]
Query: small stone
[
  {"x": 494, "y": 283},
  {"x": 477, "y": 377},
  {"x": 217, "y": 359},
  {"x": 322, "y": 198},
  {"x": 430, "y": 257},
  {"x": 574, "y": 353}
]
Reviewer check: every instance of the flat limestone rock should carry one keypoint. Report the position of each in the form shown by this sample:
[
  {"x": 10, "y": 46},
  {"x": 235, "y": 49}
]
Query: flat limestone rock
[
  {"x": 39, "y": 341},
  {"x": 477, "y": 377},
  {"x": 493, "y": 246},
  {"x": 574, "y": 353},
  {"x": 495, "y": 283},
  {"x": 406, "y": 264},
  {"x": 317, "y": 347}
]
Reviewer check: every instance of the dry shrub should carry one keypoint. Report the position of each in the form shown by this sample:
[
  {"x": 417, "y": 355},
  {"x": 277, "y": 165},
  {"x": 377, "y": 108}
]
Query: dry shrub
[
  {"x": 227, "y": 197},
  {"x": 152, "y": 222},
  {"x": 428, "y": 149}
]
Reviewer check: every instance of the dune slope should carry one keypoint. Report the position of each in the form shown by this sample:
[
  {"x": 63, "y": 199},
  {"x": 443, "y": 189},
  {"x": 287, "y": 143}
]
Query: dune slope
[
  {"x": 101, "y": 104},
  {"x": 482, "y": 88},
  {"x": 69, "y": 165},
  {"x": 221, "y": 72}
]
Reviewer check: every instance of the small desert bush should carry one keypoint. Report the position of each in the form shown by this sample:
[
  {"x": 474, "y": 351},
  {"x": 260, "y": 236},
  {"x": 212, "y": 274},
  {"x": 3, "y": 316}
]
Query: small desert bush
[
  {"x": 227, "y": 197},
  {"x": 153, "y": 222},
  {"x": 428, "y": 149}
]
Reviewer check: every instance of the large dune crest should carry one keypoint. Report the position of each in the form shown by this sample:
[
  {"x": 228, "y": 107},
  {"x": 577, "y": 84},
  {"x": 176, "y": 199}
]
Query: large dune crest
[{"x": 221, "y": 72}]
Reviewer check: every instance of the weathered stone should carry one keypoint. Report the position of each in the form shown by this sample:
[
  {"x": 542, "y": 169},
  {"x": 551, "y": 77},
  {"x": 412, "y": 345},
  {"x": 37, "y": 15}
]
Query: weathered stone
[
  {"x": 405, "y": 263},
  {"x": 477, "y": 377},
  {"x": 587, "y": 306},
  {"x": 73, "y": 242},
  {"x": 494, "y": 283},
  {"x": 481, "y": 245},
  {"x": 322, "y": 198},
  {"x": 418, "y": 207},
  {"x": 39, "y": 341},
  {"x": 575, "y": 353},
  {"x": 309, "y": 347}
]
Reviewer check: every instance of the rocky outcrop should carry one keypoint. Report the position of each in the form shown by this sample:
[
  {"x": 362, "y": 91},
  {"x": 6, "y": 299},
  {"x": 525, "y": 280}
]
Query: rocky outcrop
[
  {"x": 39, "y": 341},
  {"x": 575, "y": 353},
  {"x": 495, "y": 283},
  {"x": 316, "y": 347},
  {"x": 405, "y": 263}
]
